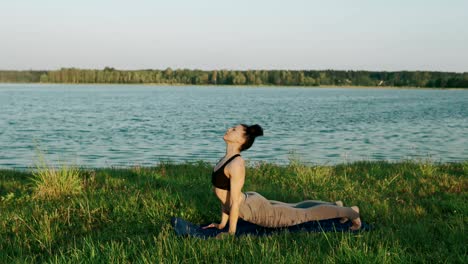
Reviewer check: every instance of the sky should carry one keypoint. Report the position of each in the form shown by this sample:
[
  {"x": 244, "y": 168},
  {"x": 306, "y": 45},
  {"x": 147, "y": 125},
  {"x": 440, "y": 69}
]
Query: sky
[{"x": 379, "y": 35}]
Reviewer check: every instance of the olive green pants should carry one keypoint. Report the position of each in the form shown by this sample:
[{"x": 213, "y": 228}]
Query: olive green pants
[{"x": 258, "y": 210}]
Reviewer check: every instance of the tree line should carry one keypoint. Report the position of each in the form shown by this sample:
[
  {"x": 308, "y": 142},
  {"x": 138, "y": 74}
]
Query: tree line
[{"x": 429, "y": 79}]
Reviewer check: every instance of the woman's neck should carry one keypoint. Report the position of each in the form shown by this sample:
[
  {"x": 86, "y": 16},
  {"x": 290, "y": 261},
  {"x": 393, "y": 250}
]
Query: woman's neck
[{"x": 232, "y": 150}]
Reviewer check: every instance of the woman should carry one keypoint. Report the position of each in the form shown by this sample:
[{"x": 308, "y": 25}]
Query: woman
[{"x": 228, "y": 178}]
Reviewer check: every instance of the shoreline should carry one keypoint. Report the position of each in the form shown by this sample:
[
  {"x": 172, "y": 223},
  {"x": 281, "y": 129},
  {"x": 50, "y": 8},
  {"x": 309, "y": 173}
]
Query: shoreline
[
  {"x": 249, "y": 164},
  {"x": 242, "y": 86}
]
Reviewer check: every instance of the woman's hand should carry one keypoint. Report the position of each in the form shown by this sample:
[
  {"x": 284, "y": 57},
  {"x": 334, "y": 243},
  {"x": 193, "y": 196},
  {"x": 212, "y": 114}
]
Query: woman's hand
[{"x": 214, "y": 225}]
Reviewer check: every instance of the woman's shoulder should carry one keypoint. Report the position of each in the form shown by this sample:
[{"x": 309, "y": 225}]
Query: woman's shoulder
[{"x": 237, "y": 162}]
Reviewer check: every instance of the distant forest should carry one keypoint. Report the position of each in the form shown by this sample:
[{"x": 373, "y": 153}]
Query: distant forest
[{"x": 248, "y": 77}]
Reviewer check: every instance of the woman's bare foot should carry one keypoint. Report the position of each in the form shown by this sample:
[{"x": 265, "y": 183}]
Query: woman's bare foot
[
  {"x": 344, "y": 219},
  {"x": 357, "y": 221}
]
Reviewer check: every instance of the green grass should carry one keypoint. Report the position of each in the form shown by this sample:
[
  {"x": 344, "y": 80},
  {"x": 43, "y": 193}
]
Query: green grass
[
  {"x": 51, "y": 182},
  {"x": 418, "y": 210}
]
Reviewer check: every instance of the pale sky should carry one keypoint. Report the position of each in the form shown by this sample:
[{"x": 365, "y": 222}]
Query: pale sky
[{"x": 239, "y": 34}]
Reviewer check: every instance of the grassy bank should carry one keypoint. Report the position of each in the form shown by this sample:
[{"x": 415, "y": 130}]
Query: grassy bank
[{"x": 418, "y": 210}]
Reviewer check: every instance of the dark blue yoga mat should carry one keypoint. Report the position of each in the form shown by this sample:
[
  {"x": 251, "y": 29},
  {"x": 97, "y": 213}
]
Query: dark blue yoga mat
[{"x": 185, "y": 228}]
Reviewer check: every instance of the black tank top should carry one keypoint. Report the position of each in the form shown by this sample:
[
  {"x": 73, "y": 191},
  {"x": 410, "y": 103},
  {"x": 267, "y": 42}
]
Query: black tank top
[{"x": 219, "y": 179}]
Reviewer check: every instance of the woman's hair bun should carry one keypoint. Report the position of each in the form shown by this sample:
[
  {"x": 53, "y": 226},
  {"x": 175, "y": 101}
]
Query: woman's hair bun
[
  {"x": 251, "y": 133},
  {"x": 254, "y": 130}
]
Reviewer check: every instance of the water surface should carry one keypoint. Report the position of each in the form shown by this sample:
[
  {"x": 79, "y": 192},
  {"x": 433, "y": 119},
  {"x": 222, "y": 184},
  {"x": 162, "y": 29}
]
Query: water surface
[{"x": 127, "y": 125}]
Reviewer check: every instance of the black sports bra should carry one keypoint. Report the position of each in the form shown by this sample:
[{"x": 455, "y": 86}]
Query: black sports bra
[{"x": 219, "y": 179}]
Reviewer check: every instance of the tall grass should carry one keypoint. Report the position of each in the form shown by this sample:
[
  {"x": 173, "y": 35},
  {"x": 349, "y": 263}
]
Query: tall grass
[
  {"x": 418, "y": 211},
  {"x": 52, "y": 182}
]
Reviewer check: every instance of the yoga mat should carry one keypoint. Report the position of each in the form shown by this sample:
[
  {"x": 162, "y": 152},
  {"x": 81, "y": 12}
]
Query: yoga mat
[{"x": 185, "y": 228}]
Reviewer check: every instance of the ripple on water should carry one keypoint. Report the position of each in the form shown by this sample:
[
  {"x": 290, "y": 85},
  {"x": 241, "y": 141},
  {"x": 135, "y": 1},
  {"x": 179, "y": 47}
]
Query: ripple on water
[{"x": 391, "y": 136}]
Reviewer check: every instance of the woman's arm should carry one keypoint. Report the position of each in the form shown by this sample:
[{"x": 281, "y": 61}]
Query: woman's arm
[
  {"x": 224, "y": 217},
  {"x": 237, "y": 178}
]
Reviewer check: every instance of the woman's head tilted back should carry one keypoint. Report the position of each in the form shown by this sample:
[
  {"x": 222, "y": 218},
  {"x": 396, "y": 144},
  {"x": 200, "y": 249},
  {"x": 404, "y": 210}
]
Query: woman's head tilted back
[
  {"x": 251, "y": 132},
  {"x": 243, "y": 135}
]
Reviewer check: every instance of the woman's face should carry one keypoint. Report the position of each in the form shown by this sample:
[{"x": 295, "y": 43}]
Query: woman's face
[{"x": 235, "y": 134}]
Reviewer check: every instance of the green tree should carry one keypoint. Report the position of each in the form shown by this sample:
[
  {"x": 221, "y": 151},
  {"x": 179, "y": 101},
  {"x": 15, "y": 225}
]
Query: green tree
[
  {"x": 44, "y": 78},
  {"x": 214, "y": 77},
  {"x": 239, "y": 79}
]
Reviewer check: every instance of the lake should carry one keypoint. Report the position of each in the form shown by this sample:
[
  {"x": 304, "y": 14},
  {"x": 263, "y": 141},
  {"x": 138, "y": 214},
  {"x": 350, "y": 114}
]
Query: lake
[{"x": 128, "y": 125}]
